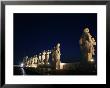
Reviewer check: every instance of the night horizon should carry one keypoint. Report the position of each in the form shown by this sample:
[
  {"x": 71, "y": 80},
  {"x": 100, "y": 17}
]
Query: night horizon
[{"x": 36, "y": 32}]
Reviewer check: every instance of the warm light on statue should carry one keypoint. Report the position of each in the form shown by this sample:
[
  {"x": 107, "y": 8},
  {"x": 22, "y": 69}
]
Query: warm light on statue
[
  {"x": 92, "y": 60},
  {"x": 87, "y": 43}
]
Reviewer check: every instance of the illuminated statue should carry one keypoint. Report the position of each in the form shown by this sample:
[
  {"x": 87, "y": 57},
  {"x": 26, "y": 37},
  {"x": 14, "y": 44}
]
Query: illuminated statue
[
  {"x": 27, "y": 63},
  {"x": 31, "y": 62},
  {"x": 43, "y": 57},
  {"x": 47, "y": 57},
  {"x": 35, "y": 59},
  {"x": 87, "y": 45},
  {"x": 56, "y": 56},
  {"x": 39, "y": 57}
]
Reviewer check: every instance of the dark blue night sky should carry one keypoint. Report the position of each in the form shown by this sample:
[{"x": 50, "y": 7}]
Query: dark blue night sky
[{"x": 34, "y": 33}]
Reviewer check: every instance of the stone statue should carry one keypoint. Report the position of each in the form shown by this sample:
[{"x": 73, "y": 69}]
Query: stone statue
[
  {"x": 47, "y": 57},
  {"x": 39, "y": 57},
  {"x": 43, "y": 57},
  {"x": 87, "y": 45},
  {"x": 56, "y": 56},
  {"x": 35, "y": 59},
  {"x": 25, "y": 60}
]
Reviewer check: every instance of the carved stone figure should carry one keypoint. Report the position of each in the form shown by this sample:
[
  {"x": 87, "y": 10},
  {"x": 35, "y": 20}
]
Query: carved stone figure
[
  {"x": 47, "y": 57},
  {"x": 43, "y": 57},
  {"x": 56, "y": 56},
  {"x": 39, "y": 57},
  {"x": 87, "y": 45}
]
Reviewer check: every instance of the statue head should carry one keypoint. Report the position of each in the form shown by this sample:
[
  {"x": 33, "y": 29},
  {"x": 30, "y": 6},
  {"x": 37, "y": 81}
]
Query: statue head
[
  {"x": 26, "y": 57},
  {"x": 58, "y": 44},
  {"x": 86, "y": 30},
  {"x": 54, "y": 47}
]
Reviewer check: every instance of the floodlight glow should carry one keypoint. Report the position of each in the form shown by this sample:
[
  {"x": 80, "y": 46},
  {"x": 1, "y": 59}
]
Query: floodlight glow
[{"x": 92, "y": 60}]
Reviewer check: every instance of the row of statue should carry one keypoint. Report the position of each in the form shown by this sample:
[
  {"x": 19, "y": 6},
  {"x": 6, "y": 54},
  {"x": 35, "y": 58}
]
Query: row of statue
[
  {"x": 43, "y": 58},
  {"x": 86, "y": 42}
]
